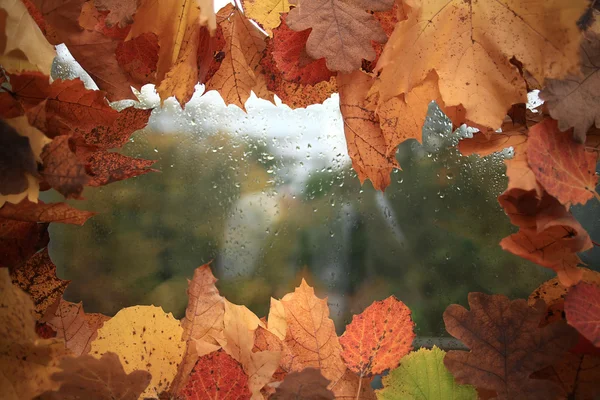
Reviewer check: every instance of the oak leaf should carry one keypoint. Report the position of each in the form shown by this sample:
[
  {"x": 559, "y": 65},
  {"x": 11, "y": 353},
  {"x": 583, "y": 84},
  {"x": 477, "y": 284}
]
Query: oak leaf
[
  {"x": 342, "y": 30},
  {"x": 378, "y": 338},
  {"x": 423, "y": 376},
  {"x": 27, "y": 211},
  {"x": 582, "y": 309},
  {"x": 146, "y": 338},
  {"x": 470, "y": 44},
  {"x": 573, "y": 100},
  {"x": 307, "y": 384},
  {"x": 564, "y": 168},
  {"x": 71, "y": 324},
  {"x": 217, "y": 376},
  {"x": 266, "y": 13},
  {"x": 22, "y": 43},
  {"x": 26, "y": 362},
  {"x": 20, "y": 240},
  {"x": 506, "y": 346},
  {"x": 104, "y": 378}
]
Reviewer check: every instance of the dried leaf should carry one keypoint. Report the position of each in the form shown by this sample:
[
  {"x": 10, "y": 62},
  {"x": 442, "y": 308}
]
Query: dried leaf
[
  {"x": 22, "y": 43},
  {"x": 20, "y": 240},
  {"x": 506, "y": 346},
  {"x": 582, "y": 309},
  {"x": 469, "y": 45},
  {"x": 266, "y": 13},
  {"x": 104, "y": 168},
  {"x": 342, "y": 30},
  {"x": 307, "y": 384},
  {"x": 146, "y": 338},
  {"x": 423, "y": 376},
  {"x": 573, "y": 101},
  {"x": 27, "y": 211},
  {"x": 578, "y": 376},
  {"x": 565, "y": 169},
  {"x": 378, "y": 338},
  {"x": 119, "y": 12},
  {"x": 217, "y": 376},
  {"x": 62, "y": 169},
  {"x": 77, "y": 329},
  {"x": 104, "y": 378},
  {"x": 351, "y": 387},
  {"x": 139, "y": 57}
]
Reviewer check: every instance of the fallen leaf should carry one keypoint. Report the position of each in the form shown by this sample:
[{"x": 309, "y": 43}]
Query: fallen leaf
[
  {"x": 366, "y": 144},
  {"x": 37, "y": 277},
  {"x": 307, "y": 384},
  {"x": 572, "y": 101},
  {"x": 104, "y": 168},
  {"x": 27, "y": 211},
  {"x": 266, "y": 13},
  {"x": 311, "y": 340},
  {"x": 470, "y": 44},
  {"x": 565, "y": 169},
  {"x": 22, "y": 43},
  {"x": 20, "y": 240},
  {"x": 62, "y": 169},
  {"x": 582, "y": 309},
  {"x": 350, "y": 386},
  {"x": 104, "y": 378},
  {"x": 378, "y": 338},
  {"x": 288, "y": 52},
  {"x": 119, "y": 12},
  {"x": 146, "y": 338},
  {"x": 342, "y": 30},
  {"x": 506, "y": 346},
  {"x": 422, "y": 375},
  {"x": 217, "y": 376},
  {"x": 26, "y": 362},
  {"x": 76, "y": 328}
]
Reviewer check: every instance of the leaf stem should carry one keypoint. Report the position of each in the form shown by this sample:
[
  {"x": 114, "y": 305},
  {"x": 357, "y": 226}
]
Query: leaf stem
[{"x": 359, "y": 386}]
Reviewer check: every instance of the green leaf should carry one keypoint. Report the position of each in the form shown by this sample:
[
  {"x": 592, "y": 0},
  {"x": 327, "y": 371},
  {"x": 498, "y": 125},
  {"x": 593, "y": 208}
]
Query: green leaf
[{"x": 423, "y": 376}]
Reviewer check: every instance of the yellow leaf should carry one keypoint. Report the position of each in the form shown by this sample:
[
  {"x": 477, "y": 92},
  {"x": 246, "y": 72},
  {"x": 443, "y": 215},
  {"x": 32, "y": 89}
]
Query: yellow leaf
[
  {"x": 470, "y": 43},
  {"x": 146, "y": 338},
  {"x": 266, "y": 12},
  {"x": 22, "y": 43},
  {"x": 277, "y": 323}
]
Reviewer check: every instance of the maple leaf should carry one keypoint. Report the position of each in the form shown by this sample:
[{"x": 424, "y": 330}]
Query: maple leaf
[
  {"x": 307, "y": 384},
  {"x": 71, "y": 324},
  {"x": 37, "y": 277},
  {"x": 470, "y": 44},
  {"x": 582, "y": 309},
  {"x": 578, "y": 375},
  {"x": 26, "y": 362},
  {"x": 266, "y": 13},
  {"x": 342, "y": 30},
  {"x": 378, "y": 338},
  {"x": 146, "y": 338},
  {"x": 572, "y": 101},
  {"x": 102, "y": 378},
  {"x": 565, "y": 169},
  {"x": 22, "y": 43},
  {"x": 20, "y": 240},
  {"x": 217, "y": 376},
  {"x": 210, "y": 53},
  {"x": 27, "y": 211},
  {"x": 423, "y": 376},
  {"x": 139, "y": 57},
  {"x": 104, "y": 168},
  {"x": 240, "y": 70},
  {"x": 288, "y": 52},
  {"x": 62, "y": 169},
  {"x": 366, "y": 144},
  {"x": 388, "y": 20},
  {"x": 506, "y": 345}
]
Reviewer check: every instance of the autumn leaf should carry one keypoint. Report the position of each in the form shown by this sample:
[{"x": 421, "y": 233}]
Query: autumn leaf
[
  {"x": 62, "y": 169},
  {"x": 423, "y": 376},
  {"x": 342, "y": 30},
  {"x": 582, "y": 309},
  {"x": 388, "y": 20},
  {"x": 307, "y": 384},
  {"x": 470, "y": 44},
  {"x": 104, "y": 168},
  {"x": 27, "y": 211},
  {"x": 573, "y": 100},
  {"x": 119, "y": 12},
  {"x": 138, "y": 57},
  {"x": 26, "y": 362},
  {"x": 378, "y": 338},
  {"x": 366, "y": 144},
  {"x": 76, "y": 328},
  {"x": 266, "y": 13},
  {"x": 506, "y": 345},
  {"x": 22, "y": 43},
  {"x": 104, "y": 378},
  {"x": 146, "y": 338},
  {"x": 352, "y": 387},
  {"x": 20, "y": 240},
  {"x": 565, "y": 169},
  {"x": 217, "y": 376}
]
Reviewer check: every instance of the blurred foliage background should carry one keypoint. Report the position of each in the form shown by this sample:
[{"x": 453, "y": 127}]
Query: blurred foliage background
[{"x": 233, "y": 199}]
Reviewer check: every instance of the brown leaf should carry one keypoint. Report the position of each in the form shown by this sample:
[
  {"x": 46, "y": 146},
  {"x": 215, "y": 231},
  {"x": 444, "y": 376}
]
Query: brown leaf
[
  {"x": 139, "y": 57},
  {"x": 16, "y": 161},
  {"x": 119, "y": 12},
  {"x": 367, "y": 146},
  {"x": 307, "y": 384},
  {"x": 37, "y": 277},
  {"x": 104, "y": 378},
  {"x": 105, "y": 168},
  {"x": 578, "y": 376},
  {"x": 352, "y": 387},
  {"x": 73, "y": 325},
  {"x": 582, "y": 309},
  {"x": 210, "y": 53},
  {"x": 573, "y": 100},
  {"x": 342, "y": 30},
  {"x": 506, "y": 346},
  {"x": 41, "y": 212},
  {"x": 62, "y": 169},
  {"x": 20, "y": 240}
]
